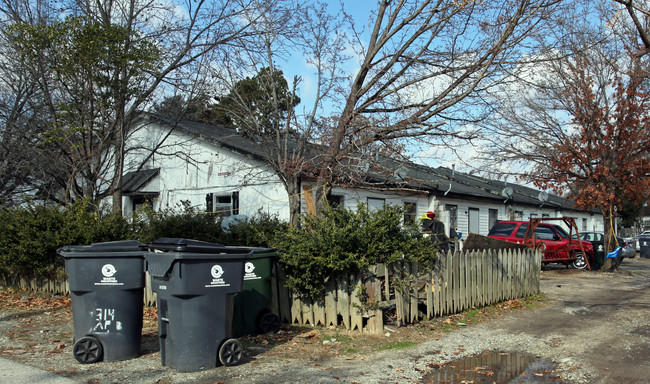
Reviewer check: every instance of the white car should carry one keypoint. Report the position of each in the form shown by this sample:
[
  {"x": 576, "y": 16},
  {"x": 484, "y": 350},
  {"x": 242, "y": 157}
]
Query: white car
[
  {"x": 644, "y": 233},
  {"x": 628, "y": 250}
]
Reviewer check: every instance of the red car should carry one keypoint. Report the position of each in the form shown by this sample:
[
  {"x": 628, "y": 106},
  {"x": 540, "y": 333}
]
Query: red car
[{"x": 553, "y": 239}]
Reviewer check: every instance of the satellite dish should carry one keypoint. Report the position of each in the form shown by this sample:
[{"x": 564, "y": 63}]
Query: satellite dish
[
  {"x": 402, "y": 173},
  {"x": 543, "y": 196},
  {"x": 507, "y": 192},
  {"x": 232, "y": 220}
]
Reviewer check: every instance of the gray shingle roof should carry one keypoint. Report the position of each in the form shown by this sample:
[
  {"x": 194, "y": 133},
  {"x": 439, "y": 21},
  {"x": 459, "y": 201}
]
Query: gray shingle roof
[
  {"x": 133, "y": 181},
  {"x": 438, "y": 181}
]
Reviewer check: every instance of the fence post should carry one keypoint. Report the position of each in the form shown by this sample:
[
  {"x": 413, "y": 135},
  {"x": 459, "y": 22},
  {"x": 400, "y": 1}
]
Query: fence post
[
  {"x": 356, "y": 312},
  {"x": 413, "y": 292},
  {"x": 343, "y": 293},
  {"x": 373, "y": 290},
  {"x": 331, "y": 315}
]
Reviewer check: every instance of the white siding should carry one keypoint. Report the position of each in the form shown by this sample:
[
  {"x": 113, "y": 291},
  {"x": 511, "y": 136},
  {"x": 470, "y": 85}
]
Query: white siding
[{"x": 192, "y": 169}]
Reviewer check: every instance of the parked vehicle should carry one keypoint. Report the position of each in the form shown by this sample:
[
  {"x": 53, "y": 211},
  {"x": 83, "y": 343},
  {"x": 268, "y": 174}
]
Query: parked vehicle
[
  {"x": 597, "y": 239},
  {"x": 630, "y": 248},
  {"x": 557, "y": 244},
  {"x": 636, "y": 240}
]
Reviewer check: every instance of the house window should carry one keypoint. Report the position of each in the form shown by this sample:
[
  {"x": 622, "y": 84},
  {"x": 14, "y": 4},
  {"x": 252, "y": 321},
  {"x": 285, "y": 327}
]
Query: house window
[
  {"x": 516, "y": 215},
  {"x": 410, "y": 215},
  {"x": 375, "y": 204},
  {"x": 138, "y": 202},
  {"x": 493, "y": 216},
  {"x": 335, "y": 201},
  {"x": 584, "y": 224},
  {"x": 222, "y": 204},
  {"x": 453, "y": 215}
]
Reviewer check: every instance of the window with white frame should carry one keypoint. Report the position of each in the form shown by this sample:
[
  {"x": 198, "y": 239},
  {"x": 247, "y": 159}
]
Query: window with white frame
[
  {"x": 410, "y": 213},
  {"x": 222, "y": 204},
  {"x": 453, "y": 216},
  {"x": 335, "y": 201},
  {"x": 493, "y": 216}
]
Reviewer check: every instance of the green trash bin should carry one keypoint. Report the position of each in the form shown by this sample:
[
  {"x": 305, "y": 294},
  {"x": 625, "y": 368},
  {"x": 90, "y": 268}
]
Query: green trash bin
[{"x": 253, "y": 306}]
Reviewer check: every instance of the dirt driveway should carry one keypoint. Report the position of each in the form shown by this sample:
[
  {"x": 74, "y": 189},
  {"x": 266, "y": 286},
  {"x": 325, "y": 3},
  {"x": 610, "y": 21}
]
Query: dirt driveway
[{"x": 593, "y": 326}]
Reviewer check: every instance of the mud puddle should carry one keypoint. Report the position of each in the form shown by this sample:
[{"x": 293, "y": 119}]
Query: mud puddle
[{"x": 494, "y": 367}]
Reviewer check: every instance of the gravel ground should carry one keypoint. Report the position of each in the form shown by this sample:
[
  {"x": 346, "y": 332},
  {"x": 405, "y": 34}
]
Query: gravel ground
[{"x": 593, "y": 326}]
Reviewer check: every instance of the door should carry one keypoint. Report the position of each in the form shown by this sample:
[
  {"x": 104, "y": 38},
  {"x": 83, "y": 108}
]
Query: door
[{"x": 473, "y": 220}]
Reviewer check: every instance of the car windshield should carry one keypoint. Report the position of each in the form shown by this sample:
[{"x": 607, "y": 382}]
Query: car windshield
[{"x": 563, "y": 232}]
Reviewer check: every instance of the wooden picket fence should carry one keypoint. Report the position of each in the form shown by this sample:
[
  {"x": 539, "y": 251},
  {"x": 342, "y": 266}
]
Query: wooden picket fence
[{"x": 400, "y": 293}]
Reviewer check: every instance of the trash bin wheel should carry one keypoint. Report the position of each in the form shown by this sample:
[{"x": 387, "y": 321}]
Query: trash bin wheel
[
  {"x": 230, "y": 352},
  {"x": 270, "y": 322},
  {"x": 88, "y": 350}
]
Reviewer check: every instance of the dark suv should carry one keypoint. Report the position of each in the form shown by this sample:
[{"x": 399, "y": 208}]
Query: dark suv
[{"x": 553, "y": 239}]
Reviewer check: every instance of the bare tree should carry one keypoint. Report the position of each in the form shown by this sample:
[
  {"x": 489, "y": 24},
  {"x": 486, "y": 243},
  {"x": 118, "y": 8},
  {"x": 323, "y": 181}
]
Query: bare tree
[
  {"x": 420, "y": 72},
  {"x": 638, "y": 13},
  {"x": 25, "y": 164},
  {"x": 99, "y": 64},
  {"x": 265, "y": 106},
  {"x": 580, "y": 126}
]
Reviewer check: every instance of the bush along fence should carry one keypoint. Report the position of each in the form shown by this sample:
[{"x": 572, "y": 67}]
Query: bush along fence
[{"x": 398, "y": 293}]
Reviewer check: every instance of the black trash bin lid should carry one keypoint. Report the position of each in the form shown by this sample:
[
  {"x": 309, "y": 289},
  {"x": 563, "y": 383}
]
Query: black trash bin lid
[
  {"x": 107, "y": 249},
  {"x": 165, "y": 251},
  {"x": 173, "y": 244}
]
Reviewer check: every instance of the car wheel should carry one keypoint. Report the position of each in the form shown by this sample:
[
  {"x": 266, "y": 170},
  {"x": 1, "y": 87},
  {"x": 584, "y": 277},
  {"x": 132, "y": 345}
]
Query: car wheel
[{"x": 580, "y": 262}]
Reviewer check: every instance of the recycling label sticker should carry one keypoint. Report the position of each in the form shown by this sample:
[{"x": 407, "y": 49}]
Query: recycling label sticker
[
  {"x": 217, "y": 272},
  {"x": 108, "y": 273},
  {"x": 249, "y": 273}
]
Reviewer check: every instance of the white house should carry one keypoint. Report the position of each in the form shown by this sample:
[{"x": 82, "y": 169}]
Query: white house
[{"x": 214, "y": 169}]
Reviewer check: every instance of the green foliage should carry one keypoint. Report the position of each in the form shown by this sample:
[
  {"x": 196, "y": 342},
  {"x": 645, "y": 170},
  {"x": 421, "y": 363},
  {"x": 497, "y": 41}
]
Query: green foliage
[
  {"x": 339, "y": 241},
  {"x": 260, "y": 231},
  {"x": 107, "y": 59},
  {"x": 186, "y": 222},
  {"x": 347, "y": 241},
  {"x": 630, "y": 211},
  {"x": 256, "y": 103},
  {"x": 31, "y": 235}
]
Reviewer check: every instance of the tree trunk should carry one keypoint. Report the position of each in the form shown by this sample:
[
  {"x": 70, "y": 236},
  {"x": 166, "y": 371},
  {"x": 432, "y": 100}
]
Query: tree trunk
[
  {"x": 293, "y": 190},
  {"x": 609, "y": 242},
  {"x": 323, "y": 189}
]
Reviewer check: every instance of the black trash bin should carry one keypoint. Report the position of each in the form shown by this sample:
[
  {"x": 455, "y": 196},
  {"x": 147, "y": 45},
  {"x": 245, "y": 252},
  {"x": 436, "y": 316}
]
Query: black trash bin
[
  {"x": 644, "y": 247},
  {"x": 106, "y": 287},
  {"x": 195, "y": 282}
]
